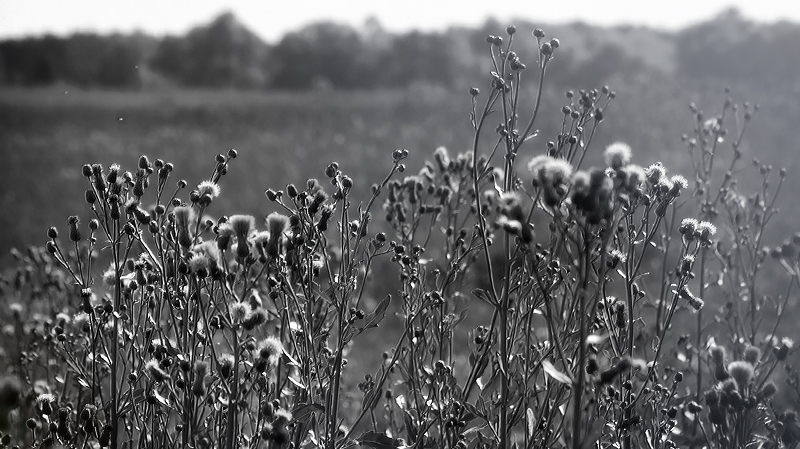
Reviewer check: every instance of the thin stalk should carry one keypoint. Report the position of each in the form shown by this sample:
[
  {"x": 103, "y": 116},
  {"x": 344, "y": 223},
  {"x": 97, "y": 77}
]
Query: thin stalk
[
  {"x": 576, "y": 412},
  {"x": 233, "y": 400}
]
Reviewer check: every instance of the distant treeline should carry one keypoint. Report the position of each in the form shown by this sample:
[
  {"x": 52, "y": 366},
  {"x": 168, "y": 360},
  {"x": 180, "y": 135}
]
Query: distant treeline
[{"x": 226, "y": 54}]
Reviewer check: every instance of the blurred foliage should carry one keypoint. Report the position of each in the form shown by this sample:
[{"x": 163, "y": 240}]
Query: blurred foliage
[
  {"x": 224, "y": 53},
  {"x": 734, "y": 49}
]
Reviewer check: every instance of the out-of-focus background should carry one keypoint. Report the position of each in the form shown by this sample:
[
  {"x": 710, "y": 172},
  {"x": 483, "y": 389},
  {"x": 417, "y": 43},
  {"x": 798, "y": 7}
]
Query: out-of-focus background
[{"x": 294, "y": 85}]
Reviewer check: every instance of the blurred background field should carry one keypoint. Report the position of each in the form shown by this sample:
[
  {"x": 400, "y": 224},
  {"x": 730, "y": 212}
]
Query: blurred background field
[{"x": 331, "y": 92}]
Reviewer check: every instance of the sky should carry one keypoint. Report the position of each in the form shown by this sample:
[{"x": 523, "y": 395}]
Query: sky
[{"x": 270, "y": 19}]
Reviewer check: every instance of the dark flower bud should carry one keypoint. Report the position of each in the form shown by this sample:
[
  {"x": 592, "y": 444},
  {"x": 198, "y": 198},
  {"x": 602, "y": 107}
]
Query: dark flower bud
[
  {"x": 598, "y": 115},
  {"x": 767, "y": 391},
  {"x": 347, "y": 182},
  {"x": 630, "y": 422},
  {"x": 788, "y": 250},
  {"x": 74, "y": 232},
  {"x": 333, "y": 168},
  {"x": 90, "y": 196},
  {"x": 591, "y": 365},
  {"x": 781, "y": 353}
]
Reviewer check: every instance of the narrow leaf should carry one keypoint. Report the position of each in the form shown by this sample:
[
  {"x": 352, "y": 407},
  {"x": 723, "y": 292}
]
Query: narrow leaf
[
  {"x": 378, "y": 440},
  {"x": 483, "y": 296},
  {"x": 377, "y": 315},
  {"x": 303, "y": 412},
  {"x": 553, "y": 372},
  {"x": 411, "y": 429},
  {"x": 530, "y": 419}
]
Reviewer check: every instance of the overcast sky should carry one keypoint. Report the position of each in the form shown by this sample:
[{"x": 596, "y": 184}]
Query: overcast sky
[{"x": 271, "y": 19}]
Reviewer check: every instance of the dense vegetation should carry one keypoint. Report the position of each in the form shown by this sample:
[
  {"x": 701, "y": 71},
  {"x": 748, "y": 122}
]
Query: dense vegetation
[{"x": 535, "y": 288}]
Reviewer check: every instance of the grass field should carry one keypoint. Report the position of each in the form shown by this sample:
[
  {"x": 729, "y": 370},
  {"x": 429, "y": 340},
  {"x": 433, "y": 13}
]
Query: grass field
[{"x": 46, "y": 135}]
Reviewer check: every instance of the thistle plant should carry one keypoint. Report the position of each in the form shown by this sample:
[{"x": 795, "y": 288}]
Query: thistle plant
[{"x": 535, "y": 301}]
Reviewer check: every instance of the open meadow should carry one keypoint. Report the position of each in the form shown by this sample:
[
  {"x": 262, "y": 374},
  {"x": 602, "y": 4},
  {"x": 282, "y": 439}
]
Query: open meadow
[{"x": 47, "y": 134}]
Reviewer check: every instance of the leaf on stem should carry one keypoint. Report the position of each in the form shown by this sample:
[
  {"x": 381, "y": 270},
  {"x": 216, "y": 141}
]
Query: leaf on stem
[
  {"x": 303, "y": 412},
  {"x": 530, "y": 420},
  {"x": 377, "y": 315},
  {"x": 553, "y": 372},
  {"x": 411, "y": 429},
  {"x": 483, "y": 296},
  {"x": 371, "y": 399},
  {"x": 378, "y": 440}
]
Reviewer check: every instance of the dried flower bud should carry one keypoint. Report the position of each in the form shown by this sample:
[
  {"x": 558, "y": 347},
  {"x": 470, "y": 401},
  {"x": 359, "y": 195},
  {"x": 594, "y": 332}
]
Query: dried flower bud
[
  {"x": 752, "y": 354},
  {"x": 156, "y": 373},
  {"x": 74, "y": 232},
  {"x": 693, "y": 407},
  {"x": 718, "y": 355},
  {"x": 617, "y": 155},
  {"x": 225, "y": 365},
  {"x": 270, "y": 350},
  {"x": 767, "y": 391},
  {"x": 333, "y": 168}
]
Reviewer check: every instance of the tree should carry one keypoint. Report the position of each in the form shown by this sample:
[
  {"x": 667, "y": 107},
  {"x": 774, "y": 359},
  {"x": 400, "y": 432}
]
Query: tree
[
  {"x": 222, "y": 54},
  {"x": 322, "y": 51}
]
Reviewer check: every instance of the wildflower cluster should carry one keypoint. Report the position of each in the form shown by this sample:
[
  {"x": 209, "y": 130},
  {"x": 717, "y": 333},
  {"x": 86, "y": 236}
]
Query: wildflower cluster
[
  {"x": 740, "y": 403},
  {"x": 545, "y": 307}
]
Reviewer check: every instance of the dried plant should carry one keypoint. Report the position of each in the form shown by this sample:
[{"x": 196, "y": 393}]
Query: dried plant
[{"x": 155, "y": 325}]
